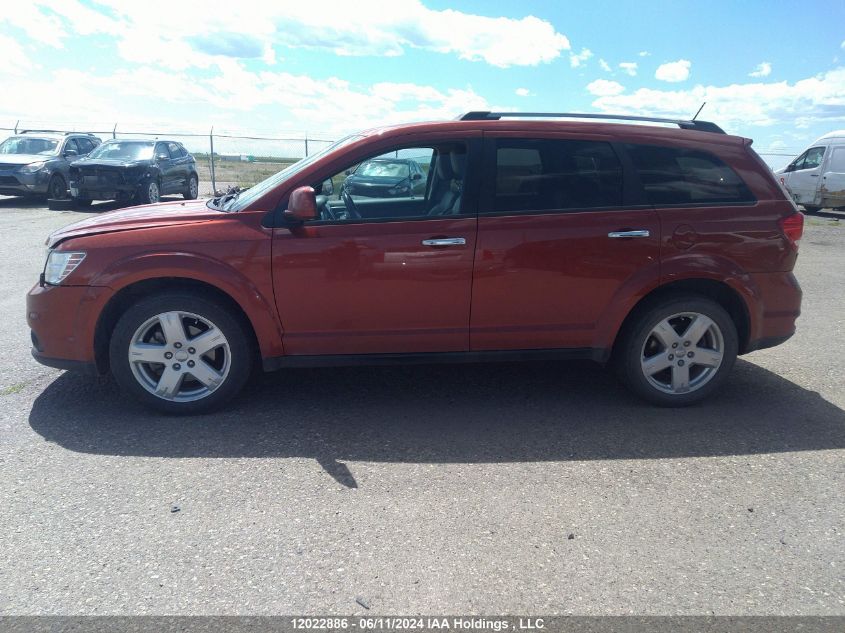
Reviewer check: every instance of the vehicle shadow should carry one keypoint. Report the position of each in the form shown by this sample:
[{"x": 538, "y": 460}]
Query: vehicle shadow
[
  {"x": 22, "y": 202},
  {"x": 504, "y": 412}
]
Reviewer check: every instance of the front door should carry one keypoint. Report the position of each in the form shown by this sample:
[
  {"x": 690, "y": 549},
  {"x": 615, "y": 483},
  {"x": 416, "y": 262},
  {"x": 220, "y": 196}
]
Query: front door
[
  {"x": 805, "y": 173},
  {"x": 165, "y": 168},
  {"x": 387, "y": 268},
  {"x": 555, "y": 243}
]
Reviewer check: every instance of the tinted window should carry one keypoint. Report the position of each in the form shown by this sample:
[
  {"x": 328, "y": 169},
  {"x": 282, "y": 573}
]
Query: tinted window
[
  {"x": 672, "y": 175},
  {"x": 72, "y": 144},
  {"x": 85, "y": 145},
  {"x": 176, "y": 150},
  {"x": 161, "y": 150},
  {"x": 546, "y": 174}
]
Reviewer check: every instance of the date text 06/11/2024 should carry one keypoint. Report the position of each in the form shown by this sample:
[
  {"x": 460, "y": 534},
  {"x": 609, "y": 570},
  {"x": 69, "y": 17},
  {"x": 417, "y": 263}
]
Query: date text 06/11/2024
[{"x": 418, "y": 623}]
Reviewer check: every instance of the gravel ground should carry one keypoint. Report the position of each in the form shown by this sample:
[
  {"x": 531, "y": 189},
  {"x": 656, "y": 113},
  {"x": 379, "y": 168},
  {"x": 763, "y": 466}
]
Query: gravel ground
[{"x": 505, "y": 488}]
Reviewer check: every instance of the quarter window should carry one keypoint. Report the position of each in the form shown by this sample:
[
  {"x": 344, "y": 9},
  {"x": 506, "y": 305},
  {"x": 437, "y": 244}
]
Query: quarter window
[
  {"x": 549, "y": 174},
  {"x": 672, "y": 175}
]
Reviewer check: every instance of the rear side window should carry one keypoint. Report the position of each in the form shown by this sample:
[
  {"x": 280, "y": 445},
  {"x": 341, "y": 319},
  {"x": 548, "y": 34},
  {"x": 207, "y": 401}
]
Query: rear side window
[
  {"x": 550, "y": 174},
  {"x": 671, "y": 175}
]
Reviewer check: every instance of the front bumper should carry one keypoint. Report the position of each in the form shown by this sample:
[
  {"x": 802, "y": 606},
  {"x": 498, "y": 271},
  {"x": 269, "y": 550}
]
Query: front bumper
[
  {"x": 63, "y": 321},
  {"x": 15, "y": 183},
  {"x": 106, "y": 192}
]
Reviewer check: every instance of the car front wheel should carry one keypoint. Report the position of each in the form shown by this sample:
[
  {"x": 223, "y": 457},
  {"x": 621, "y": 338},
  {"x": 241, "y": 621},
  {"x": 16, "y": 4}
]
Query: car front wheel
[
  {"x": 678, "y": 352},
  {"x": 180, "y": 353},
  {"x": 150, "y": 192}
]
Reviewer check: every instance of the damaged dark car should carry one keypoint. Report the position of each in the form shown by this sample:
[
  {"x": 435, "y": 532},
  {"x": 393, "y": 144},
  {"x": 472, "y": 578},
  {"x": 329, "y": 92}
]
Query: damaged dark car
[{"x": 134, "y": 171}]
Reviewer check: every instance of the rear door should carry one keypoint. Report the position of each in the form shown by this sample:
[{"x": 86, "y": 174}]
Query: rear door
[
  {"x": 557, "y": 243},
  {"x": 833, "y": 180}
]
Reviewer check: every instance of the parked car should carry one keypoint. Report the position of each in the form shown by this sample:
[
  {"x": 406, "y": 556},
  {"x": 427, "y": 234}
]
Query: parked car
[
  {"x": 816, "y": 179},
  {"x": 142, "y": 170},
  {"x": 36, "y": 163},
  {"x": 664, "y": 252},
  {"x": 386, "y": 178}
]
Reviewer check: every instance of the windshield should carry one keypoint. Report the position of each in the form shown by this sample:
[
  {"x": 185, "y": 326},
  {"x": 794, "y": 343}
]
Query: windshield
[
  {"x": 383, "y": 169},
  {"x": 29, "y": 145},
  {"x": 123, "y": 150},
  {"x": 245, "y": 198}
]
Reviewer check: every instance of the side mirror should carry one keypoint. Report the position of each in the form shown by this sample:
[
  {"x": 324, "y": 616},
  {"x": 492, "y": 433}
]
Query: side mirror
[
  {"x": 163, "y": 156},
  {"x": 328, "y": 187},
  {"x": 416, "y": 176},
  {"x": 70, "y": 152},
  {"x": 348, "y": 172},
  {"x": 302, "y": 205}
]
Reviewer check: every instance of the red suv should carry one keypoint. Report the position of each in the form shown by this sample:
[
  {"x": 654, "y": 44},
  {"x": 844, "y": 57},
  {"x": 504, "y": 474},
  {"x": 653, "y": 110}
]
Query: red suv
[{"x": 666, "y": 251}]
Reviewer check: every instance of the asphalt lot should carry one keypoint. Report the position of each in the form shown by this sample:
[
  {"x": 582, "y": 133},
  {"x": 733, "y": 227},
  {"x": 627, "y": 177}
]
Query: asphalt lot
[{"x": 539, "y": 488}]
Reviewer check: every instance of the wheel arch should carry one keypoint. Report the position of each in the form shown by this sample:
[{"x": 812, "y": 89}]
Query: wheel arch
[
  {"x": 718, "y": 291},
  {"x": 131, "y": 293}
]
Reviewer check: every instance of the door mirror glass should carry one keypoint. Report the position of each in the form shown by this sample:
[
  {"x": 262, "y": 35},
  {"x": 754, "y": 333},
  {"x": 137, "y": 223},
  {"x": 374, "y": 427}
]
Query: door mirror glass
[
  {"x": 302, "y": 206},
  {"x": 328, "y": 187},
  {"x": 416, "y": 176},
  {"x": 162, "y": 156}
]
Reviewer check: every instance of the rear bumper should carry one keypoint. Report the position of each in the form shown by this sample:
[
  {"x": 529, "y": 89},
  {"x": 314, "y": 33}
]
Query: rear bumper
[
  {"x": 777, "y": 301},
  {"x": 63, "y": 320}
]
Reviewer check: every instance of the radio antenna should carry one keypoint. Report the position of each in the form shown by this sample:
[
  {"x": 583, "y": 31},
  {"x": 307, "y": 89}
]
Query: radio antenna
[{"x": 699, "y": 111}]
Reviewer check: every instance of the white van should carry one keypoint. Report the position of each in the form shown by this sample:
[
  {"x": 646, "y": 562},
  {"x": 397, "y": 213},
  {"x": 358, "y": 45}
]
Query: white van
[{"x": 816, "y": 179}]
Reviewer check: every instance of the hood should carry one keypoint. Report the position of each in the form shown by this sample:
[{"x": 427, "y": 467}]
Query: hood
[
  {"x": 147, "y": 216},
  {"x": 108, "y": 162},
  {"x": 24, "y": 159}
]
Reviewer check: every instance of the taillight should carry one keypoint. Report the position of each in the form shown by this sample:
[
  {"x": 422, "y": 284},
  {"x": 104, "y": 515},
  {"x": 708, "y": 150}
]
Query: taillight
[{"x": 792, "y": 227}]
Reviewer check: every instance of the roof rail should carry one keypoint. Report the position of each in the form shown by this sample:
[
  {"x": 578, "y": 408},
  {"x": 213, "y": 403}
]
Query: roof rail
[
  {"x": 701, "y": 126},
  {"x": 56, "y": 132}
]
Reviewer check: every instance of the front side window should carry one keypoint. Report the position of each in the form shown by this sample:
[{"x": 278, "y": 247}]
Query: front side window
[
  {"x": 551, "y": 174},
  {"x": 813, "y": 158},
  {"x": 671, "y": 175},
  {"x": 175, "y": 150},
  {"x": 403, "y": 183}
]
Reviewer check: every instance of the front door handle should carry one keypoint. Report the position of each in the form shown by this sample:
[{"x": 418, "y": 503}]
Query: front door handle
[
  {"x": 637, "y": 233},
  {"x": 445, "y": 241}
]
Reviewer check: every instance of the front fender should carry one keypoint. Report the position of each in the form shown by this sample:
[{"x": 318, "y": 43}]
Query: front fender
[{"x": 256, "y": 300}]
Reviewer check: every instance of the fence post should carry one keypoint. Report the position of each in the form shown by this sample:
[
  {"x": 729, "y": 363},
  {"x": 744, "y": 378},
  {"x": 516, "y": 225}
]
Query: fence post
[
  {"x": 211, "y": 161},
  {"x": 114, "y": 131},
  {"x": 306, "y": 145},
  {"x": 17, "y": 123}
]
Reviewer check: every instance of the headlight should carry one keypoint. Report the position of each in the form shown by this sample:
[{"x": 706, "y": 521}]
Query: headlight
[
  {"x": 60, "y": 264},
  {"x": 33, "y": 167}
]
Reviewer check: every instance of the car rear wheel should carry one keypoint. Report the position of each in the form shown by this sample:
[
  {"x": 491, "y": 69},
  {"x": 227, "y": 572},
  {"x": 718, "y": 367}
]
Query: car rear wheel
[
  {"x": 57, "y": 188},
  {"x": 678, "y": 351},
  {"x": 180, "y": 353},
  {"x": 150, "y": 192},
  {"x": 193, "y": 189}
]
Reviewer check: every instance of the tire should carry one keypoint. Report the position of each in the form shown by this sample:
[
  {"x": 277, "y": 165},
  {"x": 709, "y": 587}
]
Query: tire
[
  {"x": 57, "y": 188},
  {"x": 170, "y": 374},
  {"x": 150, "y": 192},
  {"x": 646, "y": 344},
  {"x": 60, "y": 204},
  {"x": 193, "y": 189}
]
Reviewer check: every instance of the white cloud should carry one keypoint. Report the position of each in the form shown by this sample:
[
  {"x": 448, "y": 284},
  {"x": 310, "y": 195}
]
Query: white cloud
[
  {"x": 644, "y": 53},
  {"x": 629, "y": 67},
  {"x": 15, "y": 59},
  {"x": 673, "y": 71},
  {"x": 603, "y": 88},
  {"x": 737, "y": 106},
  {"x": 523, "y": 92},
  {"x": 763, "y": 69},
  {"x": 575, "y": 60},
  {"x": 252, "y": 28},
  {"x": 842, "y": 45},
  {"x": 604, "y": 66}
]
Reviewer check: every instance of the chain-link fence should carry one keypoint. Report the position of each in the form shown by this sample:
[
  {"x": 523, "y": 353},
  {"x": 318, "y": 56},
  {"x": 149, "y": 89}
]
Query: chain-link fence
[{"x": 223, "y": 160}]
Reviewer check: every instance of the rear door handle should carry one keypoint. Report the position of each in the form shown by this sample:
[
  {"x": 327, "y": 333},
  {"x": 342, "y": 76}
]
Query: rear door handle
[
  {"x": 445, "y": 241},
  {"x": 637, "y": 233}
]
